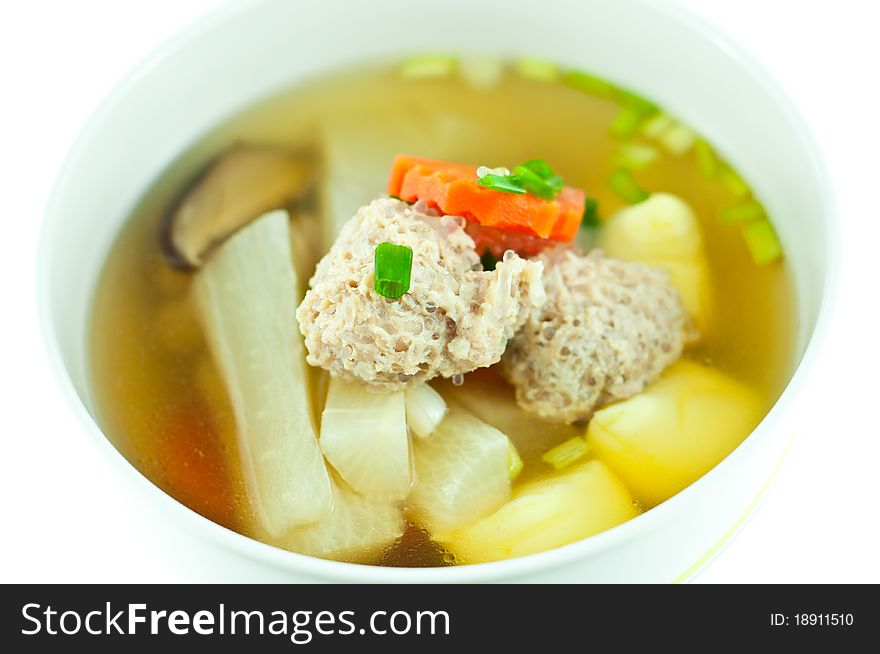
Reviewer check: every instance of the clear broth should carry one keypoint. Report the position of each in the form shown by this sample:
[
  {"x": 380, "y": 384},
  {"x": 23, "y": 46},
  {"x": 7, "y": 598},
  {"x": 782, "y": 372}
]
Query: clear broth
[{"x": 159, "y": 396}]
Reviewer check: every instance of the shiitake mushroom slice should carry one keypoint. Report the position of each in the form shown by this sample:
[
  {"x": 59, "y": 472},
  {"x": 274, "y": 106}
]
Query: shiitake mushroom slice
[{"x": 241, "y": 184}]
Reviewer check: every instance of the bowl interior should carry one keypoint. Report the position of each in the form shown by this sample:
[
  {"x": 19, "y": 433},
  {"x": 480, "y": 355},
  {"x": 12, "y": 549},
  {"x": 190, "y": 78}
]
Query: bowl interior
[{"x": 249, "y": 51}]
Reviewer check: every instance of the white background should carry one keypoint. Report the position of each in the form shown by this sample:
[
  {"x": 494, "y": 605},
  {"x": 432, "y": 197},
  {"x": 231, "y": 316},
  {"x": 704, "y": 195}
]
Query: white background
[{"x": 62, "y": 521}]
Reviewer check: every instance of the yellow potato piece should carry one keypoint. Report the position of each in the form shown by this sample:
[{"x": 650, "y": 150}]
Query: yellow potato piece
[
  {"x": 671, "y": 434},
  {"x": 541, "y": 515},
  {"x": 662, "y": 231}
]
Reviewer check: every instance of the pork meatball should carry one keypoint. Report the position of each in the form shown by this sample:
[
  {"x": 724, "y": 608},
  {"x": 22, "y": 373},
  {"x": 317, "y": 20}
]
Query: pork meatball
[
  {"x": 454, "y": 319},
  {"x": 607, "y": 329}
]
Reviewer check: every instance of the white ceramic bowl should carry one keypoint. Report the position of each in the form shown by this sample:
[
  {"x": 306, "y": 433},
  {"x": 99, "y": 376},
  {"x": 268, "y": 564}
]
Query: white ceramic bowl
[{"x": 249, "y": 50}]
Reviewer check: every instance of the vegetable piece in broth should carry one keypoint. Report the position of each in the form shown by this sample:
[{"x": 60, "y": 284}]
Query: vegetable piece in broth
[
  {"x": 364, "y": 437},
  {"x": 246, "y": 294}
]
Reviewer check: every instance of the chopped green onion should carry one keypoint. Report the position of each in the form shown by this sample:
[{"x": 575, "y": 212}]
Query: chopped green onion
[
  {"x": 393, "y": 267},
  {"x": 706, "y": 159},
  {"x": 537, "y": 69},
  {"x": 485, "y": 170},
  {"x": 762, "y": 242},
  {"x": 514, "y": 462},
  {"x": 678, "y": 139},
  {"x": 488, "y": 260},
  {"x": 427, "y": 66},
  {"x": 735, "y": 184},
  {"x": 622, "y": 183},
  {"x": 637, "y": 103},
  {"x": 625, "y": 123},
  {"x": 656, "y": 125},
  {"x": 481, "y": 72},
  {"x": 751, "y": 210},
  {"x": 506, "y": 183},
  {"x": 586, "y": 83},
  {"x": 635, "y": 156},
  {"x": 633, "y": 114},
  {"x": 536, "y": 177},
  {"x": 591, "y": 214},
  {"x": 566, "y": 453},
  {"x": 537, "y": 166}
]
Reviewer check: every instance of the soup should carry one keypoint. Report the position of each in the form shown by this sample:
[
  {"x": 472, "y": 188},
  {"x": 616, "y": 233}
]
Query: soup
[{"x": 497, "y": 360}]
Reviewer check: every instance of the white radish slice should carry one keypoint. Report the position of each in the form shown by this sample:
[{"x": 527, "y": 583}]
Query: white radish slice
[
  {"x": 357, "y": 530},
  {"x": 425, "y": 408},
  {"x": 364, "y": 437},
  {"x": 247, "y": 296},
  {"x": 462, "y": 472}
]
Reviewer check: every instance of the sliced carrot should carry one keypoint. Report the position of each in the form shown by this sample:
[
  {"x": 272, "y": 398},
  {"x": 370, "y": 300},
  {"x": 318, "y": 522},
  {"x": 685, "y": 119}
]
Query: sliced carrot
[
  {"x": 571, "y": 201},
  {"x": 453, "y": 189},
  {"x": 194, "y": 464},
  {"x": 492, "y": 239}
]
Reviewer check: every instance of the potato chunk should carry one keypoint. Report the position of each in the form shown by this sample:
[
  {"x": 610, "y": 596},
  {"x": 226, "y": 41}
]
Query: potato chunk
[
  {"x": 544, "y": 514},
  {"x": 672, "y": 433},
  {"x": 663, "y": 231}
]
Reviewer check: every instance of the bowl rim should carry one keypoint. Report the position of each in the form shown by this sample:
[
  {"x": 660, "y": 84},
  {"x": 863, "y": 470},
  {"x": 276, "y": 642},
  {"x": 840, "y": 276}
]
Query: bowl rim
[{"x": 330, "y": 570}]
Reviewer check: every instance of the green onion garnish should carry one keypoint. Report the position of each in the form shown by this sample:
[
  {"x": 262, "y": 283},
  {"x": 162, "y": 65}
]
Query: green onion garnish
[
  {"x": 706, "y": 159},
  {"x": 656, "y": 125},
  {"x": 393, "y": 267},
  {"x": 637, "y": 102},
  {"x": 735, "y": 184},
  {"x": 751, "y": 210},
  {"x": 586, "y": 83},
  {"x": 534, "y": 176},
  {"x": 427, "y": 66},
  {"x": 488, "y": 260},
  {"x": 514, "y": 462},
  {"x": 678, "y": 139},
  {"x": 633, "y": 114},
  {"x": 762, "y": 242},
  {"x": 622, "y": 183},
  {"x": 625, "y": 123},
  {"x": 481, "y": 72},
  {"x": 504, "y": 183},
  {"x": 591, "y": 214},
  {"x": 566, "y": 453},
  {"x": 537, "y": 69},
  {"x": 635, "y": 155}
]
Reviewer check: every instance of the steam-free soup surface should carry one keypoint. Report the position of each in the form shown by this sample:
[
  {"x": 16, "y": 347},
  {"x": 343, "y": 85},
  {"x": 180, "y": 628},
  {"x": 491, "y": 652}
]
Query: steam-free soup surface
[{"x": 159, "y": 395}]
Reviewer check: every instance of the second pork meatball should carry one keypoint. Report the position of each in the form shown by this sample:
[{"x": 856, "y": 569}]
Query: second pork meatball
[
  {"x": 607, "y": 329},
  {"x": 454, "y": 319}
]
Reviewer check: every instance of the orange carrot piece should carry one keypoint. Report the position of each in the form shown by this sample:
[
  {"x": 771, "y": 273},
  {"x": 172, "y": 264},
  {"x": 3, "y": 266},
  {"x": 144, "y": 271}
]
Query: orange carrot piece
[
  {"x": 195, "y": 467},
  {"x": 491, "y": 239},
  {"x": 453, "y": 189},
  {"x": 571, "y": 201}
]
